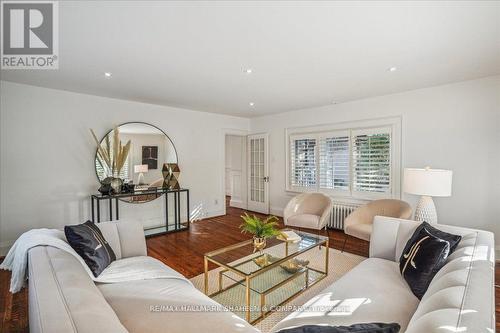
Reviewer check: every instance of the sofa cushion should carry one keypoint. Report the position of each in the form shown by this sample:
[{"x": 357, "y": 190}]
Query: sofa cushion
[
  {"x": 126, "y": 237},
  {"x": 424, "y": 255},
  {"x": 87, "y": 240},
  {"x": 360, "y": 296},
  {"x": 63, "y": 297},
  {"x": 309, "y": 221},
  {"x": 169, "y": 306}
]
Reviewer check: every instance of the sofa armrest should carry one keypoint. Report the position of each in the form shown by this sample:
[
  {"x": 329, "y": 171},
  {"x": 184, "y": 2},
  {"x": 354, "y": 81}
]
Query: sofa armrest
[{"x": 126, "y": 238}]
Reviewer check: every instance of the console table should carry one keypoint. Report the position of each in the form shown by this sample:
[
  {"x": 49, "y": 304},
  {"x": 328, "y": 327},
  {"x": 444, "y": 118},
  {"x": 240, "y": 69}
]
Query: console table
[{"x": 156, "y": 192}]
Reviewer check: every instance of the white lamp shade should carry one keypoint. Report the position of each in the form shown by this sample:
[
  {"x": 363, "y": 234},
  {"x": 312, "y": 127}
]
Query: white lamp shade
[
  {"x": 428, "y": 182},
  {"x": 140, "y": 168}
]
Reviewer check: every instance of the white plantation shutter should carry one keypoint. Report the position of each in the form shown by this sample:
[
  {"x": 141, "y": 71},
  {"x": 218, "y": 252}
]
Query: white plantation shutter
[
  {"x": 371, "y": 158},
  {"x": 334, "y": 161},
  {"x": 303, "y": 161}
]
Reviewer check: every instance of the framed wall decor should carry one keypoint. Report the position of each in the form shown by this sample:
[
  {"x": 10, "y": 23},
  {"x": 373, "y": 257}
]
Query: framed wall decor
[{"x": 150, "y": 156}]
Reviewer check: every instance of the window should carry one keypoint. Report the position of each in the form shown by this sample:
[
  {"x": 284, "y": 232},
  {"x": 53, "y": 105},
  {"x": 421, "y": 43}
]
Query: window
[
  {"x": 371, "y": 161},
  {"x": 359, "y": 162},
  {"x": 303, "y": 153},
  {"x": 334, "y": 162}
]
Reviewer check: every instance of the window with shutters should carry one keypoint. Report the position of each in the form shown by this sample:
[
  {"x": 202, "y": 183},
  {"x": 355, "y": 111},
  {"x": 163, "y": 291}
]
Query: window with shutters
[
  {"x": 371, "y": 161},
  {"x": 303, "y": 159},
  {"x": 358, "y": 162}
]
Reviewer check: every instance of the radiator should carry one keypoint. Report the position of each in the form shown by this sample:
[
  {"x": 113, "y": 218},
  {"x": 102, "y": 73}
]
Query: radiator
[{"x": 340, "y": 211}]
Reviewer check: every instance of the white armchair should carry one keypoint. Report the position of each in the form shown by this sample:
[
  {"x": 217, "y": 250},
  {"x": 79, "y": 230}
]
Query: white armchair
[{"x": 308, "y": 210}]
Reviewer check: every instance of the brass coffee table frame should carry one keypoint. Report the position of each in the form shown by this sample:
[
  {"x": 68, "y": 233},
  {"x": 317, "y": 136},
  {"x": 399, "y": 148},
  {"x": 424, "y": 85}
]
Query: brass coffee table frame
[{"x": 247, "y": 277}]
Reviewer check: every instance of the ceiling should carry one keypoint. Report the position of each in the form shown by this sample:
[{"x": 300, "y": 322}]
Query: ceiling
[{"x": 302, "y": 54}]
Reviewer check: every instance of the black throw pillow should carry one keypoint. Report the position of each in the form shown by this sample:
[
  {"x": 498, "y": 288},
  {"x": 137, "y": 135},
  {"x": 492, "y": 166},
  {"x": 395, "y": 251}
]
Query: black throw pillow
[
  {"x": 424, "y": 255},
  {"x": 356, "y": 328},
  {"x": 87, "y": 240}
]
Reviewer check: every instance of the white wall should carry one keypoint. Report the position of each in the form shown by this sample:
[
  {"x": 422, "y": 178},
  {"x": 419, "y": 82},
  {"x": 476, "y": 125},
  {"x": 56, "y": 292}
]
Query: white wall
[
  {"x": 47, "y": 155},
  {"x": 455, "y": 127}
]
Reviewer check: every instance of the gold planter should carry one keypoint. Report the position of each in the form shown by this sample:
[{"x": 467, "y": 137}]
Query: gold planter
[{"x": 259, "y": 243}]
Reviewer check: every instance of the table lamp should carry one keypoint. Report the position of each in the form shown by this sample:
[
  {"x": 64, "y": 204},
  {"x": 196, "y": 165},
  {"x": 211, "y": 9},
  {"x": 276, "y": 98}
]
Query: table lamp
[
  {"x": 140, "y": 169},
  {"x": 427, "y": 183}
]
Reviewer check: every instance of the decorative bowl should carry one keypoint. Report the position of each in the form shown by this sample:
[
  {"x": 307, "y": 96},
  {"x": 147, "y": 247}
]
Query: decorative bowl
[
  {"x": 294, "y": 265},
  {"x": 265, "y": 259}
]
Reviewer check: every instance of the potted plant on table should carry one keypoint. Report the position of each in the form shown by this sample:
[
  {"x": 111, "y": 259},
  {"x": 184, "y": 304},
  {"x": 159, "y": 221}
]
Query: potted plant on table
[{"x": 261, "y": 229}]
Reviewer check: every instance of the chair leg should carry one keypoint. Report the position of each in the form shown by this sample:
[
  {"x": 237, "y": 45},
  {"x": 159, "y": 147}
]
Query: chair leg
[{"x": 345, "y": 241}]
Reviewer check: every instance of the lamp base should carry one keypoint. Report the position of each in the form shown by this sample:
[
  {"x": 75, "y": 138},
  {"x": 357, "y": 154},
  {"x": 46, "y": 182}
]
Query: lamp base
[
  {"x": 140, "y": 179},
  {"x": 426, "y": 210}
]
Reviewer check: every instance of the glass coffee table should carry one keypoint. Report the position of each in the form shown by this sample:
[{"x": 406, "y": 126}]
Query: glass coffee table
[{"x": 252, "y": 284}]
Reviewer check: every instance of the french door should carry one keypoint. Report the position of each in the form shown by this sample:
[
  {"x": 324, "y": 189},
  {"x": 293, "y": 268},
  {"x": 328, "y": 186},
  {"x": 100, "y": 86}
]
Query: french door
[{"x": 258, "y": 173}]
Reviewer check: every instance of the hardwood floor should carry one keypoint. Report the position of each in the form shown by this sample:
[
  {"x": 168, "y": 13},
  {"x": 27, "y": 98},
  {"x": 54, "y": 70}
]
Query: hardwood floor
[{"x": 183, "y": 251}]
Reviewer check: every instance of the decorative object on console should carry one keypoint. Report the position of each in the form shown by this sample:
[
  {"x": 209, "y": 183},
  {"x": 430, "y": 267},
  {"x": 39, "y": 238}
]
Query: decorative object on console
[
  {"x": 116, "y": 184},
  {"x": 105, "y": 188},
  {"x": 175, "y": 172},
  {"x": 424, "y": 255},
  {"x": 165, "y": 171},
  {"x": 150, "y": 156},
  {"x": 141, "y": 169},
  {"x": 87, "y": 240},
  {"x": 128, "y": 187},
  {"x": 427, "y": 183},
  {"x": 111, "y": 156},
  {"x": 261, "y": 229}
]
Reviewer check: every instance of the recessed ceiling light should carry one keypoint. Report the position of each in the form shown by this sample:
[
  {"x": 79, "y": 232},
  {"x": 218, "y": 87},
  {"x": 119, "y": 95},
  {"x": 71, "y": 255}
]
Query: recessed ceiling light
[
  {"x": 392, "y": 69},
  {"x": 248, "y": 71},
  {"x": 107, "y": 74},
  {"x": 251, "y": 103}
]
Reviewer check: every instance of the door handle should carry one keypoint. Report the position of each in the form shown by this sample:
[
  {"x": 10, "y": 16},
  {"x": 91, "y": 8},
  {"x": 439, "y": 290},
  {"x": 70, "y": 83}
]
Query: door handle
[{"x": 266, "y": 179}]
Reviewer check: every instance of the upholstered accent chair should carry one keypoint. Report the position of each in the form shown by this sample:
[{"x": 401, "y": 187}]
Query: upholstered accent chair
[
  {"x": 308, "y": 210},
  {"x": 359, "y": 223}
]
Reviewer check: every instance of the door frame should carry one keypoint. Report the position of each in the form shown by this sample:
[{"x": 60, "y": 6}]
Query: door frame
[
  {"x": 266, "y": 171},
  {"x": 222, "y": 167}
]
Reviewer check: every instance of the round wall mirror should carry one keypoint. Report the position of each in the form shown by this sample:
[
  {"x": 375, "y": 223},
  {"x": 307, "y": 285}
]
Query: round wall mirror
[{"x": 148, "y": 149}]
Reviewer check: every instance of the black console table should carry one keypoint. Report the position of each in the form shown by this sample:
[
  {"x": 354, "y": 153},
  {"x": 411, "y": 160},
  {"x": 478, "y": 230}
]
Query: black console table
[{"x": 178, "y": 225}]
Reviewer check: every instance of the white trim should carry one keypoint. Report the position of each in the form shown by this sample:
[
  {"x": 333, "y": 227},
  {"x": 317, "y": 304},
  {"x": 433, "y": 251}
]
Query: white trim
[
  {"x": 222, "y": 166},
  {"x": 394, "y": 123}
]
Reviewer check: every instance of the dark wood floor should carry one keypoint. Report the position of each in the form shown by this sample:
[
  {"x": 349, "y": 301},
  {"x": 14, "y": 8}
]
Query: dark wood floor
[{"x": 183, "y": 251}]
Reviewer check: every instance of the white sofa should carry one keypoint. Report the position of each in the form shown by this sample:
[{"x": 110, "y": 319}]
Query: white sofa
[
  {"x": 64, "y": 299},
  {"x": 460, "y": 298}
]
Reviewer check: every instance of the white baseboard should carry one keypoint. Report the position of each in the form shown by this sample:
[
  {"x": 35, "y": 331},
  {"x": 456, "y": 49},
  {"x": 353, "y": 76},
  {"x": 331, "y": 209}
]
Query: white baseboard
[{"x": 238, "y": 204}]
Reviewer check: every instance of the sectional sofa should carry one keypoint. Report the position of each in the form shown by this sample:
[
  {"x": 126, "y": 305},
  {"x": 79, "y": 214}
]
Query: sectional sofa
[{"x": 63, "y": 298}]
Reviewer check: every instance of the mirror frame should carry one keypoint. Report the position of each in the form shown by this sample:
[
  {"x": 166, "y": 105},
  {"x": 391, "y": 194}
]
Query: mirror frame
[{"x": 133, "y": 122}]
